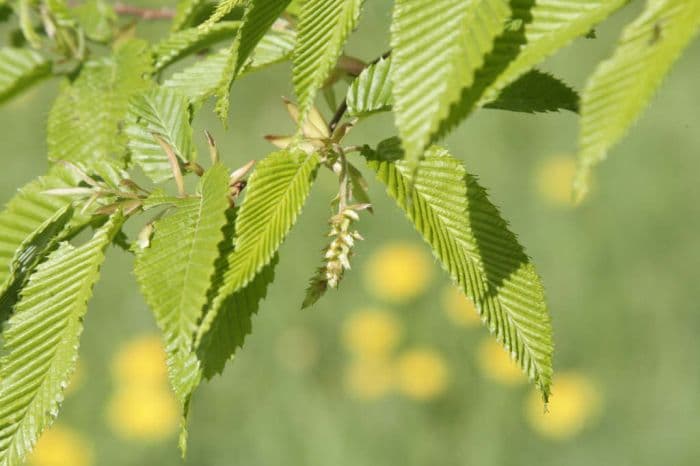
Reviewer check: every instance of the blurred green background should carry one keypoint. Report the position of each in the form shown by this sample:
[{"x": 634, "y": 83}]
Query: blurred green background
[{"x": 394, "y": 371}]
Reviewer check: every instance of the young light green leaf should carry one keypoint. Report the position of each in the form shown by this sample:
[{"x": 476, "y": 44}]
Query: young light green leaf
[
  {"x": 223, "y": 8},
  {"x": 28, "y": 211},
  {"x": 324, "y": 27},
  {"x": 536, "y": 92},
  {"x": 25, "y": 11},
  {"x": 19, "y": 69},
  {"x": 200, "y": 80},
  {"x": 85, "y": 122},
  {"x": 472, "y": 241},
  {"x": 275, "y": 195},
  {"x": 163, "y": 113},
  {"x": 182, "y": 43},
  {"x": 275, "y": 46},
  {"x": 371, "y": 91},
  {"x": 97, "y": 18},
  {"x": 33, "y": 249},
  {"x": 41, "y": 342},
  {"x": 257, "y": 20},
  {"x": 437, "y": 47},
  {"x": 536, "y": 31},
  {"x": 185, "y": 12},
  {"x": 175, "y": 272},
  {"x": 622, "y": 85}
]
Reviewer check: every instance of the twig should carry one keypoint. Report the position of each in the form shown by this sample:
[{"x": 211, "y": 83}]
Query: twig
[
  {"x": 344, "y": 191},
  {"x": 343, "y": 107},
  {"x": 144, "y": 13},
  {"x": 338, "y": 115}
]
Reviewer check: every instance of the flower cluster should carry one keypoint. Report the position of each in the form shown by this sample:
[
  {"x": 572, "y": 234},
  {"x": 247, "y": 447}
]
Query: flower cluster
[{"x": 337, "y": 255}]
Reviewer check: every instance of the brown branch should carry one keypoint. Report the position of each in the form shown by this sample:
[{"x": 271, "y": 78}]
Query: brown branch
[
  {"x": 343, "y": 107},
  {"x": 144, "y": 13}
]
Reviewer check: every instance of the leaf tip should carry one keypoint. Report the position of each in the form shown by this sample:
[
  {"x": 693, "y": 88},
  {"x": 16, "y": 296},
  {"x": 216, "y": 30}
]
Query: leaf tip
[{"x": 581, "y": 185}]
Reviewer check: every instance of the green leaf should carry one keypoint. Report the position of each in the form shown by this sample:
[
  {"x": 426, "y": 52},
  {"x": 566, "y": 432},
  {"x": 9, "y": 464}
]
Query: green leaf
[
  {"x": 34, "y": 221},
  {"x": 275, "y": 46},
  {"x": 324, "y": 27},
  {"x": 535, "y": 92},
  {"x": 19, "y": 69},
  {"x": 233, "y": 323},
  {"x": 182, "y": 43},
  {"x": 472, "y": 241},
  {"x": 27, "y": 213},
  {"x": 6, "y": 11},
  {"x": 185, "y": 12},
  {"x": 371, "y": 91},
  {"x": 201, "y": 79},
  {"x": 275, "y": 195},
  {"x": 85, "y": 122},
  {"x": 33, "y": 249},
  {"x": 25, "y": 10},
  {"x": 164, "y": 113},
  {"x": 437, "y": 47},
  {"x": 97, "y": 18},
  {"x": 257, "y": 19},
  {"x": 175, "y": 272},
  {"x": 536, "y": 31},
  {"x": 622, "y": 85},
  {"x": 223, "y": 8},
  {"x": 41, "y": 342},
  {"x": 223, "y": 332},
  {"x": 315, "y": 289}
]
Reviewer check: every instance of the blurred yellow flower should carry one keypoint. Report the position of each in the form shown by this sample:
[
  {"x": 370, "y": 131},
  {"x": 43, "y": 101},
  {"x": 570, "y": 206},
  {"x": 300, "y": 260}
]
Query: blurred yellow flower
[
  {"x": 574, "y": 403},
  {"x": 143, "y": 412},
  {"x": 554, "y": 179},
  {"x": 61, "y": 446},
  {"x": 421, "y": 374},
  {"x": 369, "y": 379},
  {"x": 141, "y": 361},
  {"x": 399, "y": 272},
  {"x": 459, "y": 309},
  {"x": 371, "y": 333},
  {"x": 495, "y": 362}
]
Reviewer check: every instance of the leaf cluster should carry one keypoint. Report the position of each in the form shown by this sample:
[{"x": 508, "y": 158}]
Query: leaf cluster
[{"x": 204, "y": 259}]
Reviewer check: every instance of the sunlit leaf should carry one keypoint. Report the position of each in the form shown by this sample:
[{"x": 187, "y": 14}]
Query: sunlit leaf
[
  {"x": 474, "y": 245},
  {"x": 622, "y": 85},
  {"x": 41, "y": 339}
]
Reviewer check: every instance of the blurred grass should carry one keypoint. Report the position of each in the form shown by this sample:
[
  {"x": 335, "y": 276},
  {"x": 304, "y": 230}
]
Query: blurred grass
[{"x": 619, "y": 272}]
